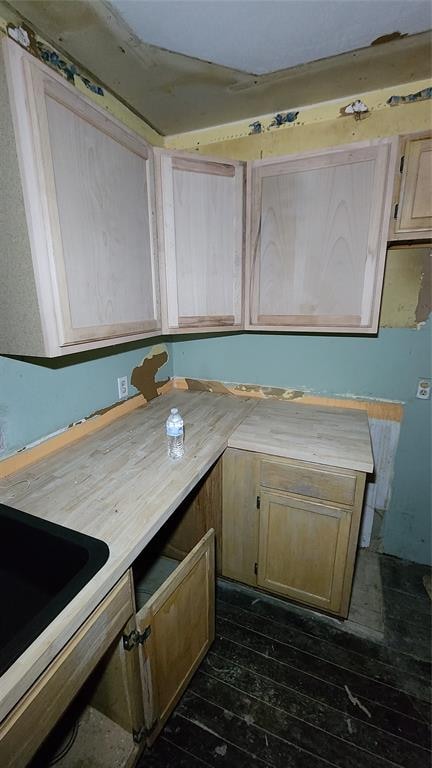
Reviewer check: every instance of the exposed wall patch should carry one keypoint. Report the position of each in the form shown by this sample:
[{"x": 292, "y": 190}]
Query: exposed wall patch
[
  {"x": 255, "y": 127},
  {"x": 283, "y": 119},
  {"x": 424, "y": 304},
  {"x": 357, "y": 108},
  {"x": 388, "y": 38},
  {"x": 425, "y": 93},
  {"x": 144, "y": 375}
]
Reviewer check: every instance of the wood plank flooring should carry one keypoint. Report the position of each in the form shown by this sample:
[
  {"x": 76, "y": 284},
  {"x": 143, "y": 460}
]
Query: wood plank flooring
[{"x": 286, "y": 688}]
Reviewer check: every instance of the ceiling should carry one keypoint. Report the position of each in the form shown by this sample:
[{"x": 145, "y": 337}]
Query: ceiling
[
  {"x": 175, "y": 92},
  {"x": 262, "y": 36}
]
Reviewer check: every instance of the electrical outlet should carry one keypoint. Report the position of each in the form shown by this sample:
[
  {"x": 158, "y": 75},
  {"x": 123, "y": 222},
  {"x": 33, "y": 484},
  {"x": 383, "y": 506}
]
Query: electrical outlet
[
  {"x": 423, "y": 389},
  {"x": 123, "y": 389}
]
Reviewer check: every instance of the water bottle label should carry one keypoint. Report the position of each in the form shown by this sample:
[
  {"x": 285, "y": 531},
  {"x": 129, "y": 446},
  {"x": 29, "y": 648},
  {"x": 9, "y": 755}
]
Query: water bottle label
[{"x": 174, "y": 430}]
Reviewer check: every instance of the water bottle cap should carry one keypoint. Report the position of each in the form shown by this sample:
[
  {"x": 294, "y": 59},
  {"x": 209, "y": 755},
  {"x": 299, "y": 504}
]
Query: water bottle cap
[{"x": 174, "y": 410}]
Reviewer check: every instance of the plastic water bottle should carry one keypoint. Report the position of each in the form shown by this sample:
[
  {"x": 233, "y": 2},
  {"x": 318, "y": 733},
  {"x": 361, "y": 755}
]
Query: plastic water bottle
[{"x": 174, "y": 430}]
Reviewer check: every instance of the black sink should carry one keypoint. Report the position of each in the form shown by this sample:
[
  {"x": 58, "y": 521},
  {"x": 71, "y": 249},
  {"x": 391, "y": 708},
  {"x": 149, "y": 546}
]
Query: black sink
[{"x": 42, "y": 567}]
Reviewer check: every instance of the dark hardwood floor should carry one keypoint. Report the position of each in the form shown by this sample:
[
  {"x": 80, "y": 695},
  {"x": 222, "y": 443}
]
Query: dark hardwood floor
[{"x": 286, "y": 688}]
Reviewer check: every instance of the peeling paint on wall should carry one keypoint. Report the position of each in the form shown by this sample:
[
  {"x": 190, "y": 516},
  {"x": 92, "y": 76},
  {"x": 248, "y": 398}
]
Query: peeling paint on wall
[
  {"x": 357, "y": 108},
  {"x": 255, "y": 127},
  {"x": 424, "y": 304},
  {"x": 283, "y": 119},
  {"x": 404, "y": 277},
  {"x": 425, "y": 93},
  {"x": 144, "y": 375},
  {"x": 26, "y": 38},
  {"x": 379, "y": 409}
]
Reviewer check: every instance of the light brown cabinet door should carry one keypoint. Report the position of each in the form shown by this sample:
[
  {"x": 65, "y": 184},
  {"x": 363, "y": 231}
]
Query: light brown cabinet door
[
  {"x": 201, "y": 226},
  {"x": 240, "y": 515},
  {"x": 303, "y": 549},
  {"x": 317, "y": 238},
  {"x": 178, "y": 624},
  {"x": 414, "y": 208},
  {"x": 90, "y": 203}
]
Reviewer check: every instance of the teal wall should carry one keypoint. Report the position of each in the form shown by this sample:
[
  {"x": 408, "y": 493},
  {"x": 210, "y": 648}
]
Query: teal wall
[
  {"x": 38, "y": 397},
  {"x": 387, "y": 366}
]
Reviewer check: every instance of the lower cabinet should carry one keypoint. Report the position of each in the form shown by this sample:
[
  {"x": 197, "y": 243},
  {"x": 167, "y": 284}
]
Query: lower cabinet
[
  {"x": 175, "y": 628},
  {"x": 291, "y": 528},
  {"x": 124, "y": 671},
  {"x": 30, "y": 722},
  {"x": 302, "y": 549}
]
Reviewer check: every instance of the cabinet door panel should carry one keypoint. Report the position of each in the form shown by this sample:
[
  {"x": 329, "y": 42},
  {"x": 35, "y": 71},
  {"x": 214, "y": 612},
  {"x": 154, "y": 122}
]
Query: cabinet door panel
[
  {"x": 240, "y": 516},
  {"x": 415, "y": 204},
  {"x": 89, "y": 190},
  {"x": 318, "y": 238},
  {"x": 202, "y": 224},
  {"x": 179, "y": 618},
  {"x": 303, "y": 549},
  {"x": 105, "y": 234}
]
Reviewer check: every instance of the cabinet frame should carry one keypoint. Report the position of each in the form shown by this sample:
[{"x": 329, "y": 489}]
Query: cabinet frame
[
  {"x": 51, "y": 694},
  {"x": 29, "y": 81},
  {"x": 245, "y": 490},
  {"x": 384, "y": 153},
  {"x": 166, "y": 162},
  {"x": 402, "y": 226}
]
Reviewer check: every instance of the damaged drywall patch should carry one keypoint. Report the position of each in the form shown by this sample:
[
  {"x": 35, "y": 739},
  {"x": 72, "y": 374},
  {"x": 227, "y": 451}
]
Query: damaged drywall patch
[
  {"x": 388, "y": 38},
  {"x": 255, "y": 127},
  {"x": 402, "y": 294},
  {"x": 424, "y": 303},
  {"x": 202, "y": 385},
  {"x": 269, "y": 392},
  {"x": 26, "y": 38},
  {"x": 395, "y": 101},
  {"x": 283, "y": 119},
  {"x": 357, "y": 108},
  {"x": 144, "y": 375},
  {"x": 197, "y": 385}
]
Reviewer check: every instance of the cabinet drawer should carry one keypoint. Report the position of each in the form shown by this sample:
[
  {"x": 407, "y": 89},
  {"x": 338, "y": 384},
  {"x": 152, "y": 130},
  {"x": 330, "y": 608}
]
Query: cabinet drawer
[
  {"x": 24, "y": 729},
  {"x": 328, "y": 485}
]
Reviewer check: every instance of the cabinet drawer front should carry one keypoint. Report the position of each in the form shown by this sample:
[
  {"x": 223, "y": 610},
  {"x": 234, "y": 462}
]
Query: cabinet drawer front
[
  {"x": 316, "y": 483},
  {"x": 22, "y": 732}
]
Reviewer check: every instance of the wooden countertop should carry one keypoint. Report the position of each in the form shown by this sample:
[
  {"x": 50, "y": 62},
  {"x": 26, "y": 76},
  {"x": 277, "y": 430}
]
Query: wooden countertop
[
  {"x": 334, "y": 436},
  {"x": 119, "y": 485}
]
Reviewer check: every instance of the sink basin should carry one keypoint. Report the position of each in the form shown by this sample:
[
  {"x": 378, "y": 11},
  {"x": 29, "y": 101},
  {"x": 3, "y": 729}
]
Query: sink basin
[{"x": 42, "y": 567}]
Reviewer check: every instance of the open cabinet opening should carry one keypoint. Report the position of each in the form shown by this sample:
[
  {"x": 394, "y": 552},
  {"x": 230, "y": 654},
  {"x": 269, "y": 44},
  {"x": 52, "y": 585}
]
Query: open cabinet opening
[{"x": 130, "y": 694}]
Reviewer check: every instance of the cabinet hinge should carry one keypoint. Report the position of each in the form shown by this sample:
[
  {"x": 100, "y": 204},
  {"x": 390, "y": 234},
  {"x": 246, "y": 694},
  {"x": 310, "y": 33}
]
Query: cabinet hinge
[
  {"x": 396, "y": 208},
  {"x": 258, "y": 502},
  {"x": 256, "y": 569},
  {"x": 143, "y": 731},
  {"x": 402, "y": 163},
  {"x": 135, "y": 638}
]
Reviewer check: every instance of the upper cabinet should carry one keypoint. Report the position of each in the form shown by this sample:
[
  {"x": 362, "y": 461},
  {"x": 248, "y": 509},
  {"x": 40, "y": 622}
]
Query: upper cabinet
[
  {"x": 412, "y": 213},
  {"x": 317, "y": 238},
  {"x": 88, "y": 191},
  {"x": 201, "y": 241}
]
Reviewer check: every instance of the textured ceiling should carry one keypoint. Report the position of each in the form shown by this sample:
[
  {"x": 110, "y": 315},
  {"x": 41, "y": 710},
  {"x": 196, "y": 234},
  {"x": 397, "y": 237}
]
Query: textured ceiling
[
  {"x": 262, "y": 36},
  {"x": 176, "y": 93}
]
